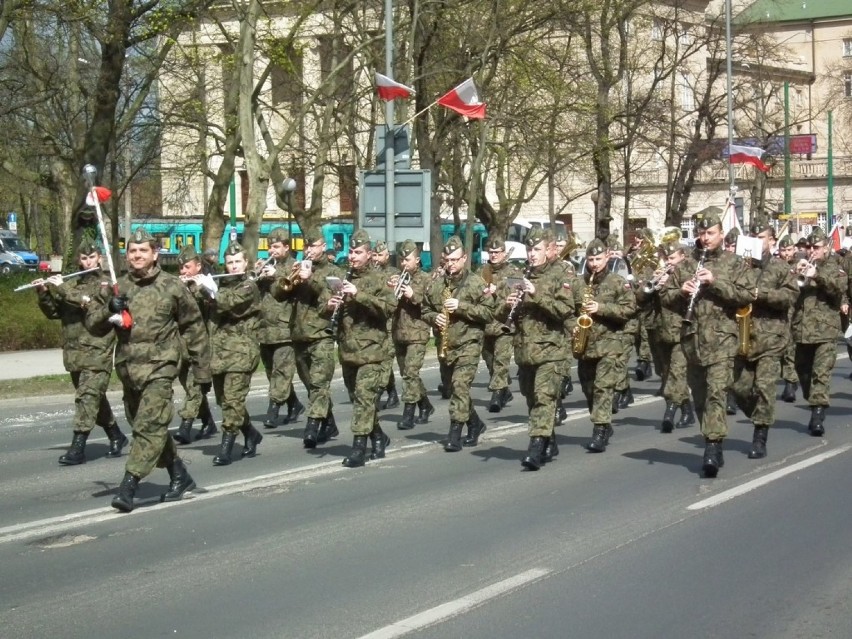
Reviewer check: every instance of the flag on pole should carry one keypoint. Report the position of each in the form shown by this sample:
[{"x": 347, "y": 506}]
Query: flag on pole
[
  {"x": 784, "y": 231},
  {"x": 834, "y": 238},
  {"x": 389, "y": 89},
  {"x": 729, "y": 218},
  {"x": 464, "y": 100},
  {"x": 103, "y": 193},
  {"x": 738, "y": 154}
]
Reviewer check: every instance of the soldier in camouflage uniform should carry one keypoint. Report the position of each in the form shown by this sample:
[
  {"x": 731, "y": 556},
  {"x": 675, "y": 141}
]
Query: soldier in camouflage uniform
[
  {"x": 607, "y": 298},
  {"x": 364, "y": 305},
  {"x": 497, "y": 345},
  {"x": 756, "y": 372},
  {"x": 554, "y": 250},
  {"x": 410, "y": 333},
  {"x": 616, "y": 263},
  {"x": 816, "y": 326},
  {"x": 381, "y": 262},
  {"x": 541, "y": 306},
  {"x": 276, "y": 313},
  {"x": 147, "y": 358},
  {"x": 644, "y": 316},
  {"x": 459, "y": 307},
  {"x": 195, "y": 403},
  {"x": 234, "y": 323},
  {"x": 313, "y": 341},
  {"x": 86, "y": 352},
  {"x": 787, "y": 252},
  {"x": 719, "y": 287},
  {"x": 731, "y": 247}
]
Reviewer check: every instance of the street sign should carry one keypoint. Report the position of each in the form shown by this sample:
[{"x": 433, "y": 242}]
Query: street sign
[
  {"x": 412, "y": 199},
  {"x": 12, "y": 221}
]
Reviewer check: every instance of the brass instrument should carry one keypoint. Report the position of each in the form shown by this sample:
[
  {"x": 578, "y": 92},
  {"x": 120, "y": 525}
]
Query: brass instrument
[
  {"x": 802, "y": 280},
  {"x": 744, "y": 322},
  {"x": 512, "y": 316},
  {"x": 289, "y": 282},
  {"x": 40, "y": 282},
  {"x": 445, "y": 295},
  {"x": 335, "y": 316},
  {"x": 571, "y": 245},
  {"x": 583, "y": 330},
  {"x": 487, "y": 272},
  {"x": 653, "y": 285},
  {"x": 690, "y": 308},
  {"x": 402, "y": 280},
  {"x": 645, "y": 258}
]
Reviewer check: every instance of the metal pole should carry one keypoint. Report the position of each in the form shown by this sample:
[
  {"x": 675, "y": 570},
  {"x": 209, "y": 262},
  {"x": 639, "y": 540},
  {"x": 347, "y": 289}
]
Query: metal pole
[
  {"x": 829, "y": 218},
  {"x": 731, "y": 176},
  {"x": 788, "y": 182},
  {"x": 232, "y": 200},
  {"x": 390, "y": 138}
]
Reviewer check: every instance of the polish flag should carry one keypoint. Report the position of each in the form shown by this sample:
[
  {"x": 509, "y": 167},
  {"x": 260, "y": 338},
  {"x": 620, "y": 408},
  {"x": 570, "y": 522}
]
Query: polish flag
[
  {"x": 464, "y": 100},
  {"x": 391, "y": 89},
  {"x": 747, "y": 155},
  {"x": 834, "y": 239},
  {"x": 103, "y": 193},
  {"x": 730, "y": 220}
]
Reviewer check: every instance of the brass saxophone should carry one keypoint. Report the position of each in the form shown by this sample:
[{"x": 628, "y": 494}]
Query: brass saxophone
[
  {"x": 583, "y": 329},
  {"x": 445, "y": 295}
]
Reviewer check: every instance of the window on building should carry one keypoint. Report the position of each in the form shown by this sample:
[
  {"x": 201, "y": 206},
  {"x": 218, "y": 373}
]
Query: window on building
[
  {"x": 657, "y": 29},
  {"x": 847, "y": 47},
  {"x": 684, "y": 35},
  {"x": 687, "y": 96},
  {"x": 286, "y": 79},
  {"x": 348, "y": 187},
  {"x": 334, "y": 51},
  {"x": 847, "y": 84}
]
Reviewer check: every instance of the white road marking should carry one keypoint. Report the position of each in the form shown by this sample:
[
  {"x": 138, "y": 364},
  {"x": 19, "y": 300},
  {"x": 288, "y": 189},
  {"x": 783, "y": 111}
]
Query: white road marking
[
  {"x": 749, "y": 486},
  {"x": 457, "y": 606}
]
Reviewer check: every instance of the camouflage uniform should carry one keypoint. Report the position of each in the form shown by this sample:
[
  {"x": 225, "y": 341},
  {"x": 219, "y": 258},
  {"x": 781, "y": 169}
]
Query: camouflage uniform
[
  {"x": 387, "y": 271},
  {"x": 788, "y": 359}
]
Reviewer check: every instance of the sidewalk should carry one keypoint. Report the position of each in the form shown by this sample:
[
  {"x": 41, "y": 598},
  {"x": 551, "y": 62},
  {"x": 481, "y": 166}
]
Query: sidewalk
[{"x": 25, "y": 364}]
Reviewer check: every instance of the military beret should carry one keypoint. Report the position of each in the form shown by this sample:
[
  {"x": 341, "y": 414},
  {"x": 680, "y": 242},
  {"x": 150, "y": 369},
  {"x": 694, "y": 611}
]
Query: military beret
[
  {"x": 613, "y": 243},
  {"x": 805, "y": 240},
  {"x": 211, "y": 252},
  {"x": 596, "y": 247},
  {"x": 330, "y": 252},
  {"x": 88, "y": 246},
  {"x": 234, "y": 248},
  {"x": 381, "y": 246},
  {"x": 785, "y": 242},
  {"x": 278, "y": 234},
  {"x": 453, "y": 244},
  {"x": 731, "y": 237},
  {"x": 646, "y": 234},
  {"x": 759, "y": 226},
  {"x": 496, "y": 244},
  {"x": 142, "y": 236},
  {"x": 313, "y": 235},
  {"x": 359, "y": 238},
  {"x": 671, "y": 248},
  {"x": 535, "y": 236},
  {"x": 708, "y": 221},
  {"x": 187, "y": 254},
  {"x": 406, "y": 248},
  {"x": 817, "y": 235}
]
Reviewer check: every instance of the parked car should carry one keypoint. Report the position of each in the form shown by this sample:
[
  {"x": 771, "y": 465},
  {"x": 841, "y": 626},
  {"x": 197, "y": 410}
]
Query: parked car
[{"x": 15, "y": 255}]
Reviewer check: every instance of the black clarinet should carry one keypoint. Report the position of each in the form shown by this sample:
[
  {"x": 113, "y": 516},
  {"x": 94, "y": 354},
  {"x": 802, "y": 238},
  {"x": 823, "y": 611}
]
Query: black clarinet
[
  {"x": 335, "y": 316},
  {"x": 513, "y": 312},
  {"x": 690, "y": 309}
]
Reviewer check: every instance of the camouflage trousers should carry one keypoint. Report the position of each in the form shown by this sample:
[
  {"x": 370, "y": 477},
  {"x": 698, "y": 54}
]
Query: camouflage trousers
[
  {"x": 90, "y": 403},
  {"x": 231, "y": 391},
  {"x": 461, "y": 371},
  {"x": 564, "y": 365},
  {"x": 315, "y": 366},
  {"x": 673, "y": 374},
  {"x": 788, "y": 363},
  {"x": 195, "y": 403},
  {"x": 540, "y": 387},
  {"x": 599, "y": 379},
  {"x": 814, "y": 363},
  {"x": 364, "y": 382},
  {"x": 279, "y": 360},
  {"x": 627, "y": 341},
  {"x": 443, "y": 368},
  {"x": 149, "y": 411},
  {"x": 656, "y": 346},
  {"x": 497, "y": 353},
  {"x": 709, "y": 386},
  {"x": 754, "y": 388},
  {"x": 642, "y": 344},
  {"x": 409, "y": 358}
]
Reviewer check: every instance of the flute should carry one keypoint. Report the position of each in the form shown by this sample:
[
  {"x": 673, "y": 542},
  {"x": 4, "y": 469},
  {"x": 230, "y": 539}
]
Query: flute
[{"x": 41, "y": 282}]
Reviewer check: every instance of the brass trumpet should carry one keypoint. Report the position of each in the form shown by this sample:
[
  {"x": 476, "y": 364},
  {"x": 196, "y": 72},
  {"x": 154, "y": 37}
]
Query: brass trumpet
[
  {"x": 653, "y": 284},
  {"x": 289, "y": 282},
  {"x": 402, "y": 280},
  {"x": 802, "y": 280}
]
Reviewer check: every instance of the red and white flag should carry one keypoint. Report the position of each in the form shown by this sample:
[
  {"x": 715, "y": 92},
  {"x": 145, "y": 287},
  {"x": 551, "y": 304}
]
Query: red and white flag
[
  {"x": 388, "y": 89},
  {"x": 730, "y": 220},
  {"x": 464, "y": 100},
  {"x": 747, "y": 155},
  {"x": 834, "y": 238},
  {"x": 103, "y": 193}
]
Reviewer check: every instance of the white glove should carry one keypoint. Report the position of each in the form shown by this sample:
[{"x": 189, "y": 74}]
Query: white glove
[
  {"x": 208, "y": 283},
  {"x": 116, "y": 319}
]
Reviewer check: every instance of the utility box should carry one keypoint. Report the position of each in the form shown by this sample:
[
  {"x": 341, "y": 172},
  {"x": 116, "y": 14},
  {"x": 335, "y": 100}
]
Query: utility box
[{"x": 412, "y": 201}]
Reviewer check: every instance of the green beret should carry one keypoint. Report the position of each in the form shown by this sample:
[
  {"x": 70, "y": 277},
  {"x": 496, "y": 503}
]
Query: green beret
[
  {"x": 759, "y": 226},
  {"x": 613, "y": 243},
  {"x": 496, "y": 244},
  {"x": 535, "y": 236},
  {"x": 785, "y": 242},
  {"x": 359, "y": 238},
  {"x": 313, "y": 235},
  {"x": 278, "y": 234},
  {"x": 817, "y": 235},
  {"x": 646, "y": 234},
  {"x": 88, "y": 246},
  {"x": 805, "y": 240},
  {"x": 142, "y": 236},
  {"x": 406, "y": 248},
  {"x": 731, "y": 237},
  {"x": 596, "y": 247},
  {"x": 381, "y": 246},
  {"x": 234, "y": 248},
  {"x": 187, "y": 254},
  {"x": 671, "y": 248},
  {"x": 708, "y": 221},
  {"x": 453, "y": 244}
]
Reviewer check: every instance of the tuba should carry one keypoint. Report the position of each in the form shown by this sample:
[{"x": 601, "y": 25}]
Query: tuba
[{"x": 583, "y": 330}]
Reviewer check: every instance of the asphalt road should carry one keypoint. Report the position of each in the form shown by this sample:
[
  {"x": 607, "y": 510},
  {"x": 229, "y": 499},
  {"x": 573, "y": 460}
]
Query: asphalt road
[{"x": 629, "y": 543}]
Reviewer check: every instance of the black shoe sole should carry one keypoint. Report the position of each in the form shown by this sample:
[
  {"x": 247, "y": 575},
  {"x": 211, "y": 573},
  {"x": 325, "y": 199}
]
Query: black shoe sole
[
  {"x": 530, "y": 465},
  {"x": 122, "y": 506},
  {"x": 667, "y": 427},
  {"x": 165, "y": 498},
  {"x": 710, "y": 470}
]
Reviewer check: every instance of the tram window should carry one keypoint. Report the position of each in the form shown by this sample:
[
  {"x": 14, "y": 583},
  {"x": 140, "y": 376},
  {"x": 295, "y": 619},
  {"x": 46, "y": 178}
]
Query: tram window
[
  {"x": 178, "y": 242},
  {"x": 165, "y": 242},
  {"x": 190, "y": 239},
  {"x": 337, "y": 242},
  {"x": 263, "y": 244}
]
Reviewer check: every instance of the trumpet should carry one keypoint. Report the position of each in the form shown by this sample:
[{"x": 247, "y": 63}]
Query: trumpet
[
  {"x": 653, "y": 284},
  {"x": 402, "y": 280},
  {"x": 289, "y": 282},
  {"x": 40, "y": 282},
  {"x": 802, "y": 279}
]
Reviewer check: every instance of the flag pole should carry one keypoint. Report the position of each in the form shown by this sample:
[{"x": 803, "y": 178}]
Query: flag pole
[{"x": 416, "y": 115}]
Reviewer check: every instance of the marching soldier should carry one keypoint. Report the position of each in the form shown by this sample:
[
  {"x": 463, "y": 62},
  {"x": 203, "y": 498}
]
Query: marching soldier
[
  {"x": 707, "y": 294},
  {"x": 607, "y": 299},
  {"x": 195, "y": 403},
  {"x": 276, "y": 313},
  {"x": 645, "y": 318},
  {"x": 757, "y": 370},
  {"x": 560, "y": 255},
  {"x": 381, "y": 262},
  {"x": 86, "y": 352},
  {"x": 364, "y": 305},
  {"x": 443, "y": 370},
  {"x": 460, "y": 309},
  {"x": 816, "y": 326},
  {"x": 236, "y": 354},
  {"x": 410, "y": 333},
  {"x": 147, "y": 357},
  {"x": 538, "y": 310},
  {"x": 787, "y": 252},
  {"x": 731, "y": 247}
]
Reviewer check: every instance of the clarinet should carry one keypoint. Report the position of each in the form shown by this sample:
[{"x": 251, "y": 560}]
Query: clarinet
[
  {"x": 335, "y": 316},
  {"x": 690, "y": 309},
  {"x": 511, "y": 317}
]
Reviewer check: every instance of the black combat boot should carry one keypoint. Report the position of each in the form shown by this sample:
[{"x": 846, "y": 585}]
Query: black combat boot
[
  {"x": 789, "y": 393},
  {"x": 393, "y": 398},
  {"x": 815, "y": 426},
  {"x": 758, "y": 442},
  {"x": 567, "y": 386},
  {"x": 378, "y": 442},
  {"x": 309, "y": 437},
  {"x": 475, "y": 428},
  {"x": 76, "y": 453},
  {"x": 668, "y": 417},
  {"x": 495, "y": 404},
  {"x": 183, "y": 435},
  {"x": 359, "y": 452},
  {"x": 294, "y": 408},
  {"x": 626, "y": 399},
  {"x": 731, "y": 404},
  {"x": 123, "y": 501},
  {"x": 328, "y": 428},
  {"x": 453, "y": 444},
  {"x": 551, "y": 450},
  {"x": 616, "y": 401},
  {"x": 425, "y": 410},
  {"x": 643, "y": 370},
  {"x": 208, "y": 424},
  {"x": 117, "y": 440},
  {"x": 713, "y": 458},
  {"x": 252, "y": 439},
  {"x": 687, "y": 415},
  {"x": 561, "y": 412},
  {"x": 445, "y": 390},
  {"x": 225, "y": 450},
  {"x": 181, "y": 481},
  {"x": 600, "y": 438},
  {"x": 407, "y": 422},
  {"x": 272, "y": 411},
  {"x": 506, "y": 396},
  {"x": 533, "y": 459}
]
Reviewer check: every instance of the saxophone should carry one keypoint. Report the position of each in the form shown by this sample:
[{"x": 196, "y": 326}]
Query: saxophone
[
  {"x": 583, "y": 329},
  {"x": 445, "y": 295}
]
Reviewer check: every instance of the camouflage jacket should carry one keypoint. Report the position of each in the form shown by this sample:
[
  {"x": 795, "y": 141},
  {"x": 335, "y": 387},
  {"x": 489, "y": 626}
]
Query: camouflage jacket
[
  {"x": 387, "y": 271},
  {"x": 276, "y": 308},
  {"x": 816, "y": 315},
  {"x": 409, "y": 325},
  {"x": 497, "y": 275},
  {"x": 770, "y": 311},
  {"x": 310, "y": 299},
  {"x": 205, "y": 305},
  {"x": 163, "y": 311},
  {"x": 234, "y": 326},
  {"x": 712, "y": 336},
  {"x": 363, "y": 336},
  {"x": 83, "y": 348},
  {"x": 616, "y": 308}
]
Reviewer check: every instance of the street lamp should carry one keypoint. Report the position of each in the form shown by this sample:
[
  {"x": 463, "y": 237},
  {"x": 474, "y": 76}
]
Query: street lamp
[{"x": 287, "y": 188}]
